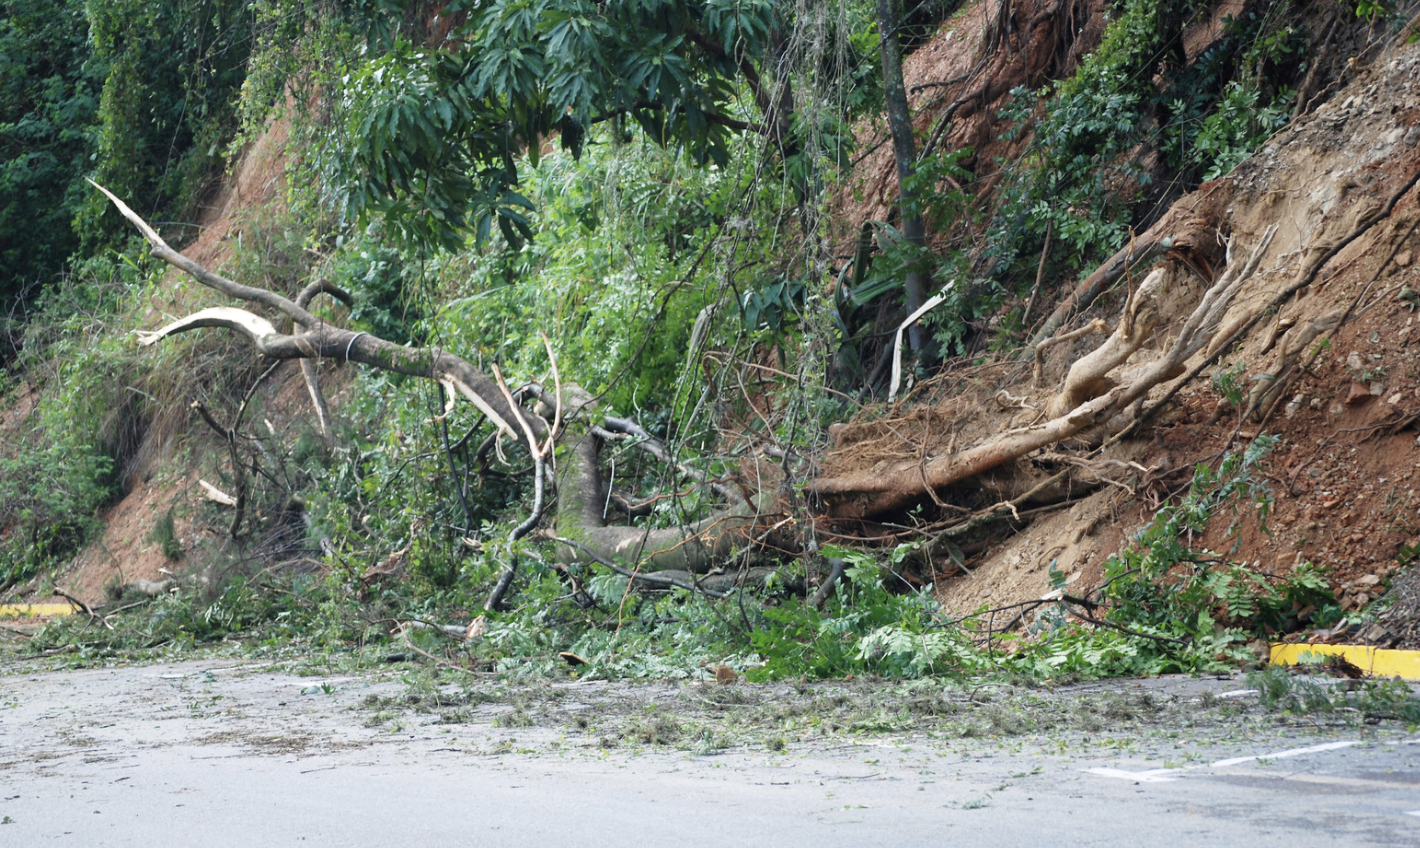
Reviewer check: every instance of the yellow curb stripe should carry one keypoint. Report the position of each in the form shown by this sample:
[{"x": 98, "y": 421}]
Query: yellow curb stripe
[
  {"x": 34, "y": 610},
  {"x": 1376, "y": 661}
]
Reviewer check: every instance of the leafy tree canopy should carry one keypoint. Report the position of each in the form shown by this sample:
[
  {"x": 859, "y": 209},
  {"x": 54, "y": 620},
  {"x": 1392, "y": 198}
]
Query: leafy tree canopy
[
  {"x": 49, "y": 96},
  {"x": 432, "y": 134}
]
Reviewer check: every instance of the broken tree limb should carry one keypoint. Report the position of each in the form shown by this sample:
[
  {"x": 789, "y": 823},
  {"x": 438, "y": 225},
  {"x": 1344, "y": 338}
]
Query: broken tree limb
[
  {"x": 308, "y": 367},
  {"x": 317, "y": 338},
  {"x": 540, "y": 454},
  {"x": 310, "y": 375},
  {"x": 303, "y": 299},
  {"x": 161, "y": 250},
  {"x": 1039, "y": 276},
  {"x": 216, "y": 495},
  {"x": 1095, "y": 326},
  {"x": 613, "y": 426},
  {"x": 877, "y": 490},
  {"x": 835, "y": 573}
]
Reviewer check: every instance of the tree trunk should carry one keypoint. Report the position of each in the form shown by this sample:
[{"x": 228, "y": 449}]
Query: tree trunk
[{"x": 904, "y": 151}]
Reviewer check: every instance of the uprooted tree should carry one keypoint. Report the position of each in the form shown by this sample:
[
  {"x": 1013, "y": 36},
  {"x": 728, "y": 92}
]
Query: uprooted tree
[{"x": 758, "y": 528}]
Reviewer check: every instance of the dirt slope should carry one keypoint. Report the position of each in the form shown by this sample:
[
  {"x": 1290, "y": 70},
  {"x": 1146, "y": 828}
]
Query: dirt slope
[
  {"x": 1343, "y": 473},
  {"x": 175, "y": 456}
]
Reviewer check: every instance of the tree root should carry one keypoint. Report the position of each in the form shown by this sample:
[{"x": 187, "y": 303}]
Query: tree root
[{"x": 876, "y": 491}]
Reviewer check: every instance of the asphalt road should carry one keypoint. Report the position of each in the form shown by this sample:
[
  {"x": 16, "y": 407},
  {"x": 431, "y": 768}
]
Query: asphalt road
[{"x": 218, "y": 754}]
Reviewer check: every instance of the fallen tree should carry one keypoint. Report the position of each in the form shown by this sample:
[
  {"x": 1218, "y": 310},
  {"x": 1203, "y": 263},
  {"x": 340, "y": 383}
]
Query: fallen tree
[
  {"x": 744, "y": 532},
  {"x": 751, "y": 533}
]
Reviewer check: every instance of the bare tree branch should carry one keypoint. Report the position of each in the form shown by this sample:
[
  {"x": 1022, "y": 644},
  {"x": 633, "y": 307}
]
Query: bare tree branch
[{"x": 317, "y": 338}]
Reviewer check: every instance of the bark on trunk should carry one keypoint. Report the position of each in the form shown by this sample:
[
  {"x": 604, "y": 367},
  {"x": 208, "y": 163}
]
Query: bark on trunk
[
  {"x": 904, "y": 151},
  {"x": 695, "y": 549}
]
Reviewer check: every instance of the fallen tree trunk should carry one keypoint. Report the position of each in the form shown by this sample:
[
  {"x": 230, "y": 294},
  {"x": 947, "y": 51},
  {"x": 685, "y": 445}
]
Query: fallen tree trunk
[
  {"x": 694, "y": 549},
  {"x": 678, "y": 552}
]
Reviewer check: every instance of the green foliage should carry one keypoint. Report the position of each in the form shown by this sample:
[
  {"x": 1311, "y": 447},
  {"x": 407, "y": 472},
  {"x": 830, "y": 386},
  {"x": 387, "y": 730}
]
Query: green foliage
[
  {"x": 95, "y": 398},
  {"x": 1162, "y": 585},
  {"x": 49, "y": 91},
  {"x": 1089, "y": 165},
  {"x": 1371, "y": 9},
  {"x": 1082, "y": 175},
  {"x": 380, "y": 280},
  {"x": 936, "y": 194},
  {"x": 1229, "y": 383},
  {"x": 1281, "y": 690},
  {"x": 56, "y": 479},
  {"x": 870, "y": 630},
  {"x": 174, "y": 70},
  {"x": 512, "y": 73},
  {"x": 272, "y": 614}
]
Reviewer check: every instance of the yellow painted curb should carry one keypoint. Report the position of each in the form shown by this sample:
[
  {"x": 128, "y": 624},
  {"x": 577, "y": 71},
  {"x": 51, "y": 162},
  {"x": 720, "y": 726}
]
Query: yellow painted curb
[
  {"x": 1376, "y": 661},
  {"x": 33, "y": 610}
]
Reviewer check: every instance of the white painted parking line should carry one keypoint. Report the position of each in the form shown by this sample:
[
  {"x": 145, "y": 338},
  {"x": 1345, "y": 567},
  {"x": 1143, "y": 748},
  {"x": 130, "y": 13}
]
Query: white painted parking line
[
  {"x": 1414, "y": 813},
  {"x": 1150, "y": 776},
  {"x": 1282, "y": 755}
]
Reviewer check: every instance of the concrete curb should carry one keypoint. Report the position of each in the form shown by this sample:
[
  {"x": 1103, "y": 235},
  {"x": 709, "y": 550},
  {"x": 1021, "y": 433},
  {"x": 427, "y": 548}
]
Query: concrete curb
[
  {"x": 1375, "y": 661},
  {"x": 35, "y": 610}
]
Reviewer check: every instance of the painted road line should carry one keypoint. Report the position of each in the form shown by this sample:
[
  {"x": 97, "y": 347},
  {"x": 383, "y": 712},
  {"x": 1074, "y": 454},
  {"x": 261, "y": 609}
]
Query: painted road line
[
  {"x": 1282, "y": 755},
  {"x": 1413, "y": 813},
  {"x": 1322, "y": 780},
  {"x": 1237, "y": 693},
  {"x": 1150, "y": 776},
  {"x": 1158, "y": 775},
  {"x": 1374, "y": 661},
  {"x": 34, "y": 610}
]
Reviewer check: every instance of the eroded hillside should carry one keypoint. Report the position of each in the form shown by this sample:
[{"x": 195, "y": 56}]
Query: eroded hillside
[{"x": 1143, "y": 374}]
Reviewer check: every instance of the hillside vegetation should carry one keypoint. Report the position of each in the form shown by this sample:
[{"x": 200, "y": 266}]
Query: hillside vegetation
[{"x": 1050, "y": 337}]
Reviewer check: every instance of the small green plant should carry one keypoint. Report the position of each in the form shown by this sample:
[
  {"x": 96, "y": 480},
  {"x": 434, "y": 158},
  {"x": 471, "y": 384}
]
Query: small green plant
[
  {"x": 1283, "y": 690},
  {"x": 164, "y": 534},
  {"x": 1229, "y": 383},
  {"x": 1371, "y": 9},
  {"x": 1205, "y": 603}
]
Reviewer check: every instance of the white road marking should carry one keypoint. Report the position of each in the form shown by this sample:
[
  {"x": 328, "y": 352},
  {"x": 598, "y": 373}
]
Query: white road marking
[
  {"x": 1157, "y": 775},
  {"x": 1237, "y": 693},
  {"x": 1413, "y": 813},
  {"x": 1150, "y": 776},
  {"x": 1281, "y": 755},
  {"x": 1323, "y": 779}
]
